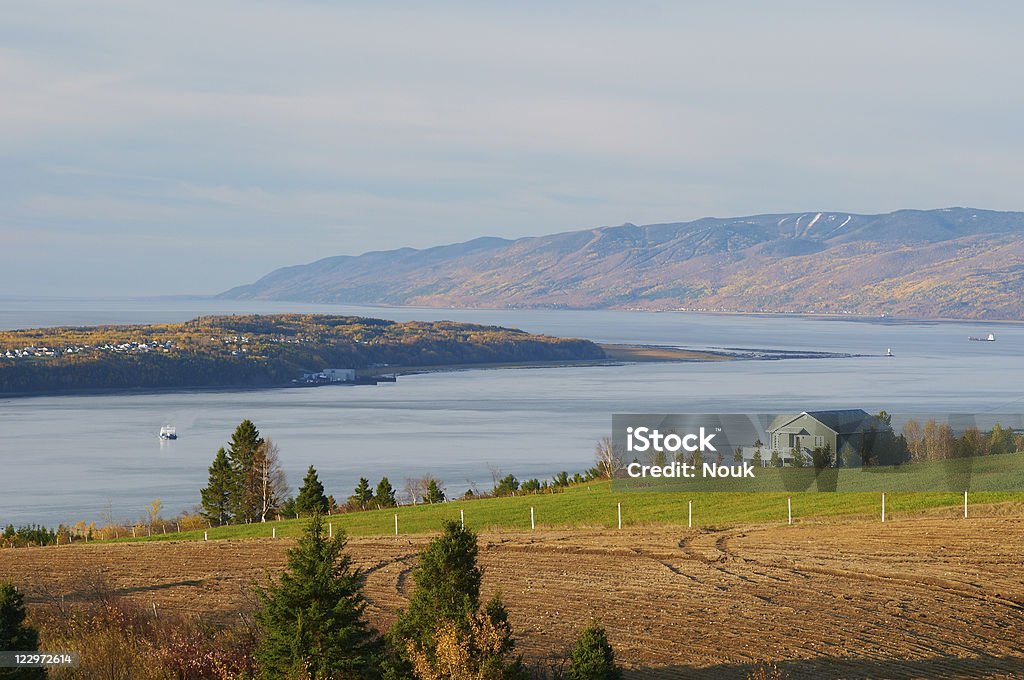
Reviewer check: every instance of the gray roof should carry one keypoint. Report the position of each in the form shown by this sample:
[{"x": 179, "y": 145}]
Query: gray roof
[{"x": 846, "y": 421}]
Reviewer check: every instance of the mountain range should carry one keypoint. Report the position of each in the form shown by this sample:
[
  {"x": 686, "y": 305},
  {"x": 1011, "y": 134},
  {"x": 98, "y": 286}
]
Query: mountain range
[{"x": 952, "y": 263}]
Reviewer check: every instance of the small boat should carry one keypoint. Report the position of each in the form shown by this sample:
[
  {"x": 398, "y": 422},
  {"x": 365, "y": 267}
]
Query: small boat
[
  {"x": 168, "y": 432},
  {"x": 991, "y": 338},
  {"x": 888, "y": 352}
]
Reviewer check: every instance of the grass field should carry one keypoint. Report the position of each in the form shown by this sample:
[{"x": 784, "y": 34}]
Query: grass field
[{"x": 596, "y": 506}]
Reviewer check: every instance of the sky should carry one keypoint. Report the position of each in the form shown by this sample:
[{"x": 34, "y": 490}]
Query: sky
[{"x": 184, "y": 148}]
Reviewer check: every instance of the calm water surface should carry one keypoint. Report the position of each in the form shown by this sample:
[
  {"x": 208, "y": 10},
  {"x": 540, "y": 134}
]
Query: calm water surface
[{"x": 66, "y": 458}]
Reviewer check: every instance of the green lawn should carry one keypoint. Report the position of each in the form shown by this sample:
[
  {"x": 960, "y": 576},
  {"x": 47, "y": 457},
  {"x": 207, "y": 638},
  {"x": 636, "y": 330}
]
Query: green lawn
[{"x": 595, "y": 505}]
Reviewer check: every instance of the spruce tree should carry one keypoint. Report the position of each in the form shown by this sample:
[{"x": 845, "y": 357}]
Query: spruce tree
[
  {"x": 363, "y": 495},
  {"x": 311, "y": 498},
  {"x": 592, "y": 657},
  {"x": 384, "y": 496},
  {"x": 445, "y": 632},
  {"x": 216, "y": 497},
  {"x": 312, "y": 621},
  {"x": 14, "y": 634},
  {"x": 246, "y": 492},
  {"x": 447, "y": 589},
  {"x": 434, "y": 492}
]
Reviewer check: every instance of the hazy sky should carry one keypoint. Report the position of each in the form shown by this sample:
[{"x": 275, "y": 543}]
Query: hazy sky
[{"x": 186, "y": 147}]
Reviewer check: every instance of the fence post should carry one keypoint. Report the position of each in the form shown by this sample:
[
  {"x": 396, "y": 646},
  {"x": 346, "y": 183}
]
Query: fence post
[
  {"x": 462, "y": 517},
  {"x": 532, "y": 523},
  {"x": 155, "y": 615},
  {"x": 789, "y": 506},
  {"x": 965, "y": 505},
  {"x": 396, "y": 524},
  {"x": 330, "y": 530},
  {"x": 883, "y": 508},
  {"x": 620, "y": 515},
  {"x": 689, "y": 521},
  {"x": 133, "y": 531},
  {"x": 206, "y": 535},
  {"x": 273, "y": 532}
]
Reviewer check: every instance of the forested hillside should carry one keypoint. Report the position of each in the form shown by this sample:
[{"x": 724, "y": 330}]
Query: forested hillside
[{"x": 256, "y": 351}]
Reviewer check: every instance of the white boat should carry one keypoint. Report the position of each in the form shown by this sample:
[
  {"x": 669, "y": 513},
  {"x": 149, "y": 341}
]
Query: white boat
[
  {"x": 168, "y": 432},
  {"x": 991, "y": 338},
  {"x": 888, "y": 352}
]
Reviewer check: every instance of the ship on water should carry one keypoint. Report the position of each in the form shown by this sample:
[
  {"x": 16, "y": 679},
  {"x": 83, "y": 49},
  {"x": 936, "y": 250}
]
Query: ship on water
[
  {"x": 168, "y": 432},
  {"x": 990, "y": 338}
]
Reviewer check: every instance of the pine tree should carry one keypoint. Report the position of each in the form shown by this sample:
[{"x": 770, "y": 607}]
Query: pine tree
[
  {"x": 216, "y": 497},
  {"x": 384, "y": 496},
  {"x": 14, "y": 634},
  {"x": 311, "y": 496},
  {"x": 776, "y": 459},
  {"x": 592, "y": 657},
  {"x": 312, "y": 621},
  {"x": 246, "y": 486},
  {"x": 363, "y": 495}
]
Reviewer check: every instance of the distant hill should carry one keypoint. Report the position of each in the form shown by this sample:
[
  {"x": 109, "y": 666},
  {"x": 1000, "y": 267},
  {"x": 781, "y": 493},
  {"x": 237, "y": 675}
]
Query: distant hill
[
  {"x": 954, "y": 262},
  {"x": 258, "y": 351}
]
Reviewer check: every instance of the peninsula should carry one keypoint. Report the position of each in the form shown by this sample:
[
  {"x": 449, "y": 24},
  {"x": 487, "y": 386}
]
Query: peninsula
[{"x": 259, "y": 351}]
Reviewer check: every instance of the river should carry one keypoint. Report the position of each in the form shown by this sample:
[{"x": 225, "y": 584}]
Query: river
[{"x": 70, "y": 458}]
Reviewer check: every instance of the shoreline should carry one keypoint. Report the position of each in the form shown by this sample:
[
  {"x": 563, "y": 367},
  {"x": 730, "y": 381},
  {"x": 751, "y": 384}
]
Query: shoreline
[
  {"x": 820, "y": 316},
  {"x": 616, "y": 355}
]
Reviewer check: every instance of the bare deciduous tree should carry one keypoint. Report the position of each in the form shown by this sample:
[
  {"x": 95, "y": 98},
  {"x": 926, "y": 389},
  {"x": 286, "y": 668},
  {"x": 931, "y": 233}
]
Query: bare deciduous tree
[
  {"x": 272, "y": 480},
  {"x": 608, "y": 457}
]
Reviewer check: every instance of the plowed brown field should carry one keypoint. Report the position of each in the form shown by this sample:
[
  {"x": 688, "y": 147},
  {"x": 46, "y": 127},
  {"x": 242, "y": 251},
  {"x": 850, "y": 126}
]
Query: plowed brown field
[{"x": 924, "y": 598}]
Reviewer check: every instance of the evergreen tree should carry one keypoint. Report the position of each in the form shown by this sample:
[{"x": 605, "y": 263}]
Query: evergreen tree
[
  {"x": 444, "y": 632},
  {"x": 384, "y": 496},
  {"x": 14, "y": 634},
  {"x": 246, "y": 493},
  {"x": 506, "y": 486},
  {"x": 821, "y": 457},
  {"x": 216, "y": 497},
  {"x": 311, "y": 496},
  {"x": 797, "y": 458},
  {"x": 776, "y": 459},
  {"x": 312, "y": 621},
  {"x": 756, "y": 460},
  {"x": 447, "y": 590},
  {"x": 435, "y": 494},
  {"x": 592, "y": 657},
  {"x": 363, "y": 495}
]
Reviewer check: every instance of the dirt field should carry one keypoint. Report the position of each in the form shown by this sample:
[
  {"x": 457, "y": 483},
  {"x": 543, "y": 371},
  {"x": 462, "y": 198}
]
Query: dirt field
[{"x": 922, "y": 598}]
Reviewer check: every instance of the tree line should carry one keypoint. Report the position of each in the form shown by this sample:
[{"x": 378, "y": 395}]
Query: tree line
[{"x": 247, "y": 484}]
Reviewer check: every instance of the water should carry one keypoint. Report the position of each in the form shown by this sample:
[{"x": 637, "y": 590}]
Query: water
[{"x": 77, "y": 457}]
